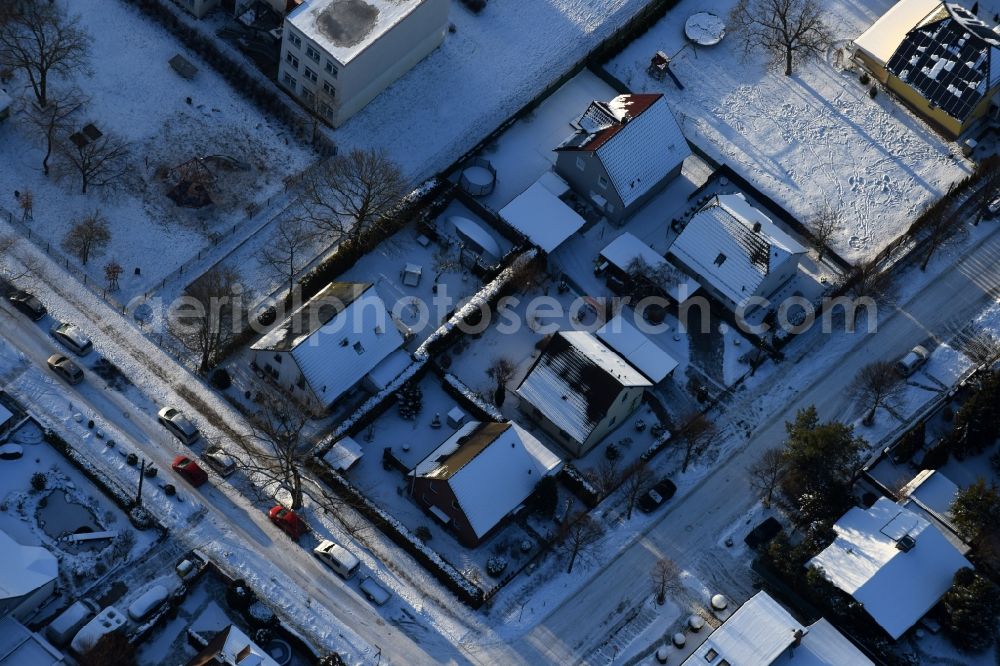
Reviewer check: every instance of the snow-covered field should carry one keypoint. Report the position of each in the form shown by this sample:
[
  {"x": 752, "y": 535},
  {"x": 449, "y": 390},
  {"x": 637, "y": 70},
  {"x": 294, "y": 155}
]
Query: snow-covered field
[
  {"x": 491, "y": 66},
  {"x": 135, "y": 94},
  {"x": 805, "y": 139}
]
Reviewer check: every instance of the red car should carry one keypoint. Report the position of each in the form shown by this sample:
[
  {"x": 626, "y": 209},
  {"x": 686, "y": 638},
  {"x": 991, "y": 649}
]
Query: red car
[
  {"x": 189, "y": 470},
  {"x": 288, "y": 521}
]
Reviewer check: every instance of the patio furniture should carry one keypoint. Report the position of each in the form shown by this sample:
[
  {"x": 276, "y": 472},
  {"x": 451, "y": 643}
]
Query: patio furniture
[{"x": 411, "y": 275}]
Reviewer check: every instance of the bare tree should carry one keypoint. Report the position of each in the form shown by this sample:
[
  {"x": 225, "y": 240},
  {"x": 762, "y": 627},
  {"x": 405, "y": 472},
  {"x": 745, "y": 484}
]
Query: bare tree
[
  {"x": 501, "y": 371},
  {"x": 765, "y": 474},
  {"x": 825, "y": 225},
  {"x": 28, "y": 264},
  {"x": 638, "y": 480},
  {"x": 877, "y": 385},
  {"x": 980, "y": 345},
  {"x": 666, "y": 577},
  {"x": 869, "y": 281},
  {"x": 351, "y": 194},
  {"x": 87, "y": 237},
  {"x": 578, "y": 537},
  {"x": 99, "y": 162},
  {"x": 287, "y": 253},
  {"x": 210, "y": 314},
  {"x": 277, "y": 452},
  {"x": 942, "y": 228},
  {"x": 785, "y": 30},
  {"x": 112, "y": 271},
  {"x": 40, "y": 40},
  {"x": 55, "y": 119},
  {"x": 606, "y": 477},
  {"x": 698, "y": 436}
]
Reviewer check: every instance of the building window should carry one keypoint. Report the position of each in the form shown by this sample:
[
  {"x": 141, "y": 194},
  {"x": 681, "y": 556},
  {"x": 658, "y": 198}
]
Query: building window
[
  {"x": 307, "y": 96},
  {"x": 329, "y": 89},
  {"x": 309, "y": 74},
  {"x": 325, "y": 109},
  {"x": 292, "y": 60},
  {"x": 331, "y": 69},
  {"x": 295, "y": 39},
  {"x": 581, "y": 163},
  {"x": 711, "y": 655},
  {"x": 359, "y": 348},
  {"x": 289, "y": 81},
  {"x": 301, "y": 383},
  {"x": 312, "y": 53},
  {"x": 603, "y": 182}
]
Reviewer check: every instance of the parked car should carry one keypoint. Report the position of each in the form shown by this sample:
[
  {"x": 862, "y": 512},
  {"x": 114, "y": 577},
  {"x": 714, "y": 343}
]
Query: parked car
[
  {"x": 915, "y": 358},
  {"x": 71, "y": 337},
  {"x": 994, "y": 206},
  {"x": 337, "y": 558},
  {"x": 28, "y": 304},
  {"x": 65, "y": 368},
  {"x": 763, "y": 533},
  {"x": 179, "y": 424},
  {"x": 64, "y": 627},
  {"x": 657, "y": 495},
  {"x": 220, "y": 461},
  {"x": 374, "y": 592},
  {"x": 189, "y": 471},
  {"x": 288, "y": 521},
  {"x": 147, "y": 603}
]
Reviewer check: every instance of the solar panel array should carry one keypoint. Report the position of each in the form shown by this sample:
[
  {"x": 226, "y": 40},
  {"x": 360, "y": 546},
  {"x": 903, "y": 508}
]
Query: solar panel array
[{"x": 948, "y": 61}]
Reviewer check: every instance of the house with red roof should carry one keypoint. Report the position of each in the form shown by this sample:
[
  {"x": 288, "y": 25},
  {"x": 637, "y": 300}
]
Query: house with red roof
[{"x": 622, "y": 153}]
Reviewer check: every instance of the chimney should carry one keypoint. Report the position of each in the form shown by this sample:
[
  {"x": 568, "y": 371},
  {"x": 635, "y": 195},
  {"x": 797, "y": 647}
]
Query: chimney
[
  {"x": 756, "y": 227},
  {"x": 797, "y": 638}
]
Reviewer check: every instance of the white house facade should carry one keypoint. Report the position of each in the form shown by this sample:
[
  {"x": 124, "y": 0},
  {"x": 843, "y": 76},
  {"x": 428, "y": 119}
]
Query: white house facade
[{"x": 338, "y": 55}]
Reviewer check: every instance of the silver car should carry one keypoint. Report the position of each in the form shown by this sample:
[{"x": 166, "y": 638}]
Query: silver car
[
  {"x": 220, "y": 461},
  {"x": 180, "y": 425},
  {"x": 71, "y": 337},
  {"x": 915, "y": 358},
  {"x": 65, "y": 368}
]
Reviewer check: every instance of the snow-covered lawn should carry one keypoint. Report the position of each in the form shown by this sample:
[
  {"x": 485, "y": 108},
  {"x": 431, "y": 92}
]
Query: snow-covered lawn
[
  {"x": 135, "y": 94},
  {"x": 805, "y": 139},
  {"x": 491, "y": 66}
]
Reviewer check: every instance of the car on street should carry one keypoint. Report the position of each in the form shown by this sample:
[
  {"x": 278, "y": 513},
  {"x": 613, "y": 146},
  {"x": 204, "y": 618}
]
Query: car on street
[
  {"x": 338, "y": 558},
  {"x": 65, "y": 368},
  {"x": 915, "y": 358},
  {"x": 763, "y": 533},
  {"x": 994, "y": 206},
  {"x": 71, "y": 337},
  {"x": 28, "y": 304},
  {"x": 288, "y": 521},
  {"x": 220, "y": 461},
  {"x": 179, "y": 425},
  {"x": 188, "y": 469},
  {"x": 374, "y": 592},
  {"x": 656, "y": 496}
]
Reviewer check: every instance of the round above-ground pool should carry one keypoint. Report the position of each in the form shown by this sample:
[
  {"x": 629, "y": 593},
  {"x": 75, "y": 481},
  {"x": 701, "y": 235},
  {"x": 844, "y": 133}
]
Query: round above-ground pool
[{"x": 705, "y": 29}]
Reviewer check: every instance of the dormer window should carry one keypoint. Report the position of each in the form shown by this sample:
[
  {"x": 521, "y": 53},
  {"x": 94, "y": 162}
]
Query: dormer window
[
  {"x": 721, "y": 259},
  {"x": 358, "y": 347}
]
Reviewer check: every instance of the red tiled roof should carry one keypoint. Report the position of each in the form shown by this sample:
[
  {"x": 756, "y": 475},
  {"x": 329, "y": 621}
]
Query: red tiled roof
[{"x": 635, "y": 104}]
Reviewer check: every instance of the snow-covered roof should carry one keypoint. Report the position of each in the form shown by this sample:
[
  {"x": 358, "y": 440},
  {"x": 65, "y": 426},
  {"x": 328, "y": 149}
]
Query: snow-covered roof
[
  {"x": 882, "y": 39},
  {"x": 625, "y": 249},
  {"x": 574, "y": 381},
  {"x": 542, "y": 216},
  {"x": 19, "y": 646},
  {"x": 336, "y": 338},
  {"x": 389, "y": 368},
  {"x": 233, "y": 648},
  {"x": 648, "y": 357},
  {"x": 343, "y": 454},
  {"x": 869, "y": 561},
  {"x": 345, "y": 28},
  {"x": 951, "y": 58},
  {"x": 24, "y": 569},
  {"x": 762, "y": 630},
  {"x": 755, "y": 635},
  {"x": 733, "y": 246},
  {"x": 491, "y": 468},
  {"x": 933, "y": 491},
  {"x": 636, "y": 138},
  {"x": 477, "y": 234}
]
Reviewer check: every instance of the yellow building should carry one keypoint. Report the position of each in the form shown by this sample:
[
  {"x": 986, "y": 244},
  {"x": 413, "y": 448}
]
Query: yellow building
[{"x": 938, "y": 57}]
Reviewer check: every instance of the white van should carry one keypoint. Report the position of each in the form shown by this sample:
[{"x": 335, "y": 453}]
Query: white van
[
  {"x": 63, "y": 628},
  {"x": 337, "y": 558},
  {"x": 108, "y": 620}
]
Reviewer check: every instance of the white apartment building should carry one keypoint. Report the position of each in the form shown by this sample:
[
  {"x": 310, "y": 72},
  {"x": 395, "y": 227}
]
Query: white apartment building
[{"x": 338, "y": 55}]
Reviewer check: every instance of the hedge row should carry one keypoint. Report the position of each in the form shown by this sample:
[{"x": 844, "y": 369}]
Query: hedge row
[
  {"x": 579, "y": 485},
  {"x": 467, "y": 592}
]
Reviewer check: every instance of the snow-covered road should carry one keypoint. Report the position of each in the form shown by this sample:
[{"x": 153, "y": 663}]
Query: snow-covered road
[{"x": 691, "y": 529}]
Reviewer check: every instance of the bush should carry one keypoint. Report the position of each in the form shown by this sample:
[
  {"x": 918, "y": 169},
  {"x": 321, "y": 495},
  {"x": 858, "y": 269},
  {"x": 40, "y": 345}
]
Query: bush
[
  {"x": 220, "y": 379},
  {"x": 423, "y": 533},
  {"x": 864, "y": 78},
  {"x": 239, "y": 596},
  {"x": 141, "y": 518},
  {"x": 39, "y": 481},
  {"x": 872, "y": 92},
  {"x": 169, "y": 490},
  {"x": 150, "y": 472},
  {"x": 475, "y": 6},
  {"x": 132, "y": 459},
  {"x": 612, "y": 453},
  {"x": 496, "y": 565}
]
